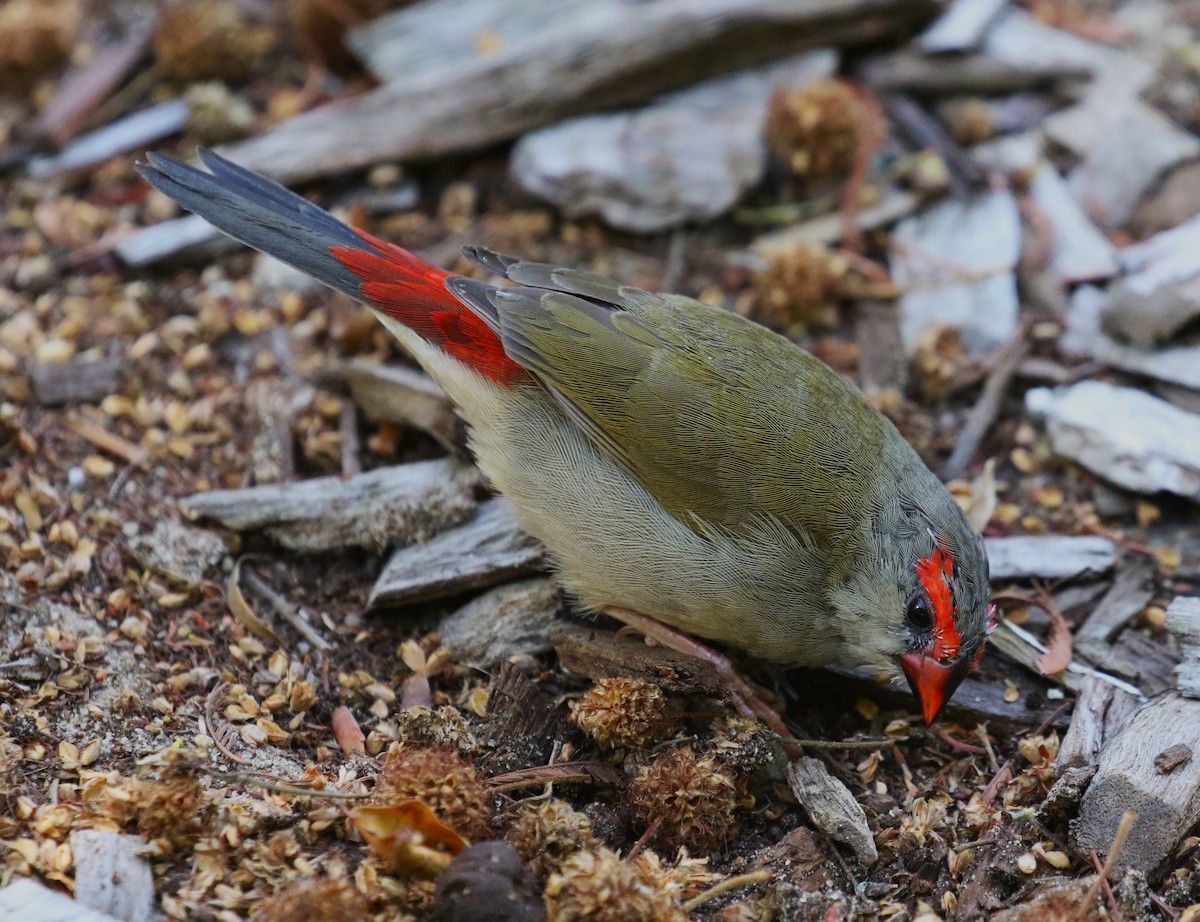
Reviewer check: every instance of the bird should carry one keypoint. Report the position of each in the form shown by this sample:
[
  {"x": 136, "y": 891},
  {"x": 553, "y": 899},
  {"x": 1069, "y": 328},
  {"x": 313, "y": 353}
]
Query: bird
[{"x": 690, "y": 472}]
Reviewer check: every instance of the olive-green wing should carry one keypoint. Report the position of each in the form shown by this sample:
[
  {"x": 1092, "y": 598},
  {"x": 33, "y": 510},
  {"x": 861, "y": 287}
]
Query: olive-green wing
[{"x": 719, "y": 418}]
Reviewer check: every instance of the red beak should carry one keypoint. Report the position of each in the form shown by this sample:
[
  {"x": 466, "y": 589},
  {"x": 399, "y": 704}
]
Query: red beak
[{"x": 932, "y": 682}]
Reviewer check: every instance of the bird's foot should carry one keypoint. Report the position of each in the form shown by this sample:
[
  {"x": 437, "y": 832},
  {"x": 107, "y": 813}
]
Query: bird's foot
[{"x": 746, "y": 698}]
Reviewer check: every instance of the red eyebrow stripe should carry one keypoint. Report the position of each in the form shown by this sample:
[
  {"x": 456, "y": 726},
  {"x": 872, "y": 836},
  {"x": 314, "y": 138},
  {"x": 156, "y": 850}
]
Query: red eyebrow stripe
[{"x": 935, "y": 572}]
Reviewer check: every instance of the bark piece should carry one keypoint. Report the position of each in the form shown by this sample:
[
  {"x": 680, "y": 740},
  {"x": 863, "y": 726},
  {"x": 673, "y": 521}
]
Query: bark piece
[
  {"x": 1161, "y": 292},
  {"x": 1183, "y": 620},
  {"x": 881, "y": 364},
  {"x": 1135, "y": 440},
  {"x": 1132, "y": 591},
  {"x": 1080, "y": 252},
  {"x": 1177, "y": 200},
  {"x": 489, "y": 549},
  {"x": 599, "y": 654},
  {"x": 79, "y": 381},
  {"x": 688, "y": 157},
  {"x": 957, "y": 260},
  {"x": 398, "y": 394},
  {"x": 180, "y": 552},
  {"x": 1101, "y": 711},
  {"x": 511, "y": 620},
  {"x": 1168, "y": 805},
  {"x": 83, "y": 88},
  {"x": 832, "y": 808},
  {"x": 135, "y": 131},
  {"x": 1049, "y": 556},
  {"x": 275, "y": 406},
  {"x": 958, "y": 75},
  {"x": 1171, "y": 758},
  {"x": 402, "y": 505},
  {"x": 1062, "y": 802},
  {"x": 164, "y": 240},
  {"x": 524, "y": 722},
  {"x": 1085, "y": 336},
  {"x": 1137, "y": 145},
  {"x": 28, "y": 900},
  {"x": 961, "y": 27},
  {"x": 111, "y": 877},
  {"x": 545, "y": 62}
]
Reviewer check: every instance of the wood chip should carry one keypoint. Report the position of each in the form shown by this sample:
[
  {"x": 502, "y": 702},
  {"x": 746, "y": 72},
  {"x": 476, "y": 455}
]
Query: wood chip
[
  {"x": 1171, "y": 758},
  {"x": 108, "y": 442},
  {"x": 489, "y": 549},
  {"x": 688, "y": 157},
  {"x": 961, "y": 27},
  {"x": 956, "y": 262},
  {"x": 1101, "y": 711},
  {"x": 1135, "y": 440},
  {"x": 79, "y": 381},
  {"x": 1132, "y": 591},
  {"x": 111, "y": 876},
  {"x": 1183, "y": 621},
  {"x": 548, "y": 61},
  {"x": 525, "y": 723},
  {"x": 180, "y": 552},
  {"x": 393, "y": 505},
  {"x": 1049, "y": 557},
  {"x": 399, "y": 394},
  {"x": 27, "y": 900},
  {"x": 133, "y": 132},
  {"x": 515, "y": 619},
  {"x": 1168, "y": 806},
  {"x": 831, "y": 808}
]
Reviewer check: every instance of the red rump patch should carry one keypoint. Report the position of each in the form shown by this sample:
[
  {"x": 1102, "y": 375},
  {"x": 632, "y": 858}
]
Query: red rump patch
[
  {"x": 413, "y": 291},
  {"x": 935, "y": 573}
]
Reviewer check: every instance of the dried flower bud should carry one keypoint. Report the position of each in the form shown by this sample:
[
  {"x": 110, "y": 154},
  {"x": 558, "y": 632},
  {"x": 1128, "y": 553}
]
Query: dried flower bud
[
  {"x": 597, "y": 886},
  {"x": 691, "y": 799},
  {"x": 441, "y": 779},
  {"x": 547, "y": 833},
  {"x": 623, "y": 713},
  {"x": 309, "y": 900},
  {"x": 815, "y": 129}
]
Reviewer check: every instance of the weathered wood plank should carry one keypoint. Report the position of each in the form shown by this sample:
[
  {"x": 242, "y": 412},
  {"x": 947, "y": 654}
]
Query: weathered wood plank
[
  {"x": 1167, "y": 805},
  {"x": 515, "y": 619},
  {"x": 404, "y": 504},
  {"x": 546, "y": 61},
  {"x": 1101, "y": 711}
]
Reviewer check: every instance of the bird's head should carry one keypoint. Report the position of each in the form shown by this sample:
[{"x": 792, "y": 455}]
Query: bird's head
[
  {"x": 946, "y": 622},
  {"x": 920, "y": 606}
]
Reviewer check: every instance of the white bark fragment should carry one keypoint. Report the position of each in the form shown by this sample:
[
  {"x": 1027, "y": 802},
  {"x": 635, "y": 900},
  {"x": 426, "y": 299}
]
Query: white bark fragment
[
  {"x": 1135, "y": 440},
  {"x": 956, "y": 262},
  {"x": 688, "y": 157}
]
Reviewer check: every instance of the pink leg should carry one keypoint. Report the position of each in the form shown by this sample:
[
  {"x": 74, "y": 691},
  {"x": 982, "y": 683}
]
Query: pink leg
[{"x": 747, "y": 701}]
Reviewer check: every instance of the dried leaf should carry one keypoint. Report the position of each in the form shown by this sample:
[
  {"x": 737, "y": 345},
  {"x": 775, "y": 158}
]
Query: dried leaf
[
  {"x": 409, "y": 837},
  {"x": 982, "y": 504},
  {"x": 242, "y": 611},
  {"x": 1058, "y": 649}
]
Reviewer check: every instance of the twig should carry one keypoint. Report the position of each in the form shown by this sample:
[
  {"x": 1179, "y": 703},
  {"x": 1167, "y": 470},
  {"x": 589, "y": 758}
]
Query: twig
[
  {"x": 1128, "y": 818},
  {"x": 850, "y": 744},
  {"x": 1108, "y": 893},
  {"x": 217, "y": 729},
  {"x": 641, "y": 843},
  {"x": 959, "y": 745},
  {"x": 108, "y": 442},
  {"x": 986, "y": 408},
  {"x": 923, "y": 130},
  {"x": 742, "y": 880},
  {"x": 294, "y": 615},
  {"x": 280, "y": 785}
]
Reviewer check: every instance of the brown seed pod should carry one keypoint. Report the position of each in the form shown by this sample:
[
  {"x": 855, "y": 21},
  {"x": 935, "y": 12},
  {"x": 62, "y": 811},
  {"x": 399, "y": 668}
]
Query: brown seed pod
[
  {"x": 623, "y": 713},
  {"x": 441, "y": 779},
  {"x": 690, "y": 800},
  {"x": 799, "y": 287}
]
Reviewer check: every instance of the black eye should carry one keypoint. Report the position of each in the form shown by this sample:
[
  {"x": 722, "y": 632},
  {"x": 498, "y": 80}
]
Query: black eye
[{"x": 917, "y": 613}]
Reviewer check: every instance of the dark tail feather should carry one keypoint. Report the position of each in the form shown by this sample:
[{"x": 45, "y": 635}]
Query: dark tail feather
[{"x": 260, "y": 213}]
